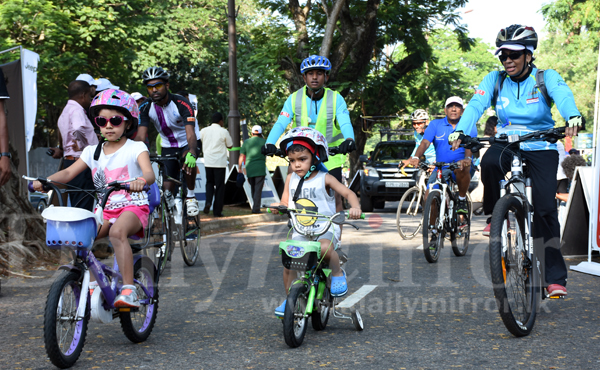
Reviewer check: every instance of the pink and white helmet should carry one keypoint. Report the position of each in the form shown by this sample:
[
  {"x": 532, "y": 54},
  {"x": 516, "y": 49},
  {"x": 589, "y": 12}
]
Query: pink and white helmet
[
  {"x": 118, "y": 100},
  {"x": 115, "y": 99},
  {"x": 308, "y": 135}
]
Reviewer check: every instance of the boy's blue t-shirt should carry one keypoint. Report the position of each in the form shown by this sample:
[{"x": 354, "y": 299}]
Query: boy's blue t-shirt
[{"x": 437, "y": 133}]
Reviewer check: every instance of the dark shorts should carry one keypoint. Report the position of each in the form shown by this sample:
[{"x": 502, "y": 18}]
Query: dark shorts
[{"x": 173, "y": 168}]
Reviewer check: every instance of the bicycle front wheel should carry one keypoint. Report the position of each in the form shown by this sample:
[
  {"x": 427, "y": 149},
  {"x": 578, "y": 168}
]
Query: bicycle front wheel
[
  {"x": 433, "y": 237},
  {"x": 514, "y": 275},
  {"x": 461, "y": 234},
  {"x": 409, "y": 216},
  {"x": 190, "y": 243},
  {"x": 64, "y": 332},
  {"x": 294, "y": 321}
]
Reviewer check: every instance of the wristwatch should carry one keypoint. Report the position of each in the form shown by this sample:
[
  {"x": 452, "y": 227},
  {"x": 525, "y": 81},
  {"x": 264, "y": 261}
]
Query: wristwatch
[{"x": 5, "y": 154}]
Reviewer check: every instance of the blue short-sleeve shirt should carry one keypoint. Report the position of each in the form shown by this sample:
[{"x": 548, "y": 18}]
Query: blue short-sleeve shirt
[{"x": 437, "y": 133}]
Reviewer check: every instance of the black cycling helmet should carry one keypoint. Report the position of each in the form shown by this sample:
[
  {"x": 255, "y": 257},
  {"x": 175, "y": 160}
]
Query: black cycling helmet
[
  {"x": 517, "y": 34},
  {"x": 153, "y": 73}
]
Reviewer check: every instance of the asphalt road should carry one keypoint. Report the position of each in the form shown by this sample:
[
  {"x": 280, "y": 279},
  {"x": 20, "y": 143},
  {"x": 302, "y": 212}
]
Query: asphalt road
[{"x": 219, "y": 313}]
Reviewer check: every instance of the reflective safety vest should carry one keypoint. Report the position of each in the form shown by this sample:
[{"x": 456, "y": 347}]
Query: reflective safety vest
[{"x": 325, "y": 122}]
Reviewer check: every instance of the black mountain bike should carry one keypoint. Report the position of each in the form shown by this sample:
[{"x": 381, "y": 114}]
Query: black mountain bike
[{"x": 516, "y": 270}]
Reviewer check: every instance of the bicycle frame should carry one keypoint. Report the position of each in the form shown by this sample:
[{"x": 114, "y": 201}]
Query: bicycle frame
[
  {"x": 443, "y": 191},
  {"x": 520, "y": 187}
]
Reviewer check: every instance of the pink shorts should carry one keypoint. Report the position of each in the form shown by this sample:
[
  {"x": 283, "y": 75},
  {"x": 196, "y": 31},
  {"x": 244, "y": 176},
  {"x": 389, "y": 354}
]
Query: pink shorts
[{"x": 141, "y": 211}]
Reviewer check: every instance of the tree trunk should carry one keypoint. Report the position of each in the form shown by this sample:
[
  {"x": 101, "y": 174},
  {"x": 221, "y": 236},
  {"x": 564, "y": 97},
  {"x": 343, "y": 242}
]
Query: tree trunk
[{"x": 22, "y": 230}]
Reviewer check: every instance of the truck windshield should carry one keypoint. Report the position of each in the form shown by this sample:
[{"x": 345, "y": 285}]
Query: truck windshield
[{"x": 392, "y": 152}]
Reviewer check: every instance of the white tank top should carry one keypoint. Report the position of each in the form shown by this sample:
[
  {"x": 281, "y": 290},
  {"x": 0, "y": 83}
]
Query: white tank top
[{"x": 315, "y": 191}]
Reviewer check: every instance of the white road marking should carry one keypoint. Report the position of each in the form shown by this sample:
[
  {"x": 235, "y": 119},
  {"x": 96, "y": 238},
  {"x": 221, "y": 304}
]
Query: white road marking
[{"x": 356, "y": 296}]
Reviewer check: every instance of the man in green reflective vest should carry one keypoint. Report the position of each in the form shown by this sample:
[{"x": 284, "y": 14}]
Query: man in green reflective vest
[{"x": 321, "y": 108}]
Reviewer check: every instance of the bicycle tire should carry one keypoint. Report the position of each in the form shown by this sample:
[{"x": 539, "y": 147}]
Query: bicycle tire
[
  {"x": 157, "y": 230},
  {"x": 320, "y": 314},
  {"x": 192, "y": 234},
  {"x": 165, "y": 255},
  {"x": 409, "y": 215},
  {"x": 294, "y": 322},
  {"x": 60, "y": 321},
  {"x": 461, "y": 236},
  {"x": 515, "y": 279},
  {"x": 137, "y": 325},
  {"x": 432, "y": 250}
]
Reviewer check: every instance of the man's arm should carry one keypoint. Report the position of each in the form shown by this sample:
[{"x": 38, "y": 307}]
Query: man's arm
[
  {"x": 285, "y": 117},
  {"x": 144, "y": 119},
  {"x": 192, "y": 140},
  {"x": 4, "y": 161}
]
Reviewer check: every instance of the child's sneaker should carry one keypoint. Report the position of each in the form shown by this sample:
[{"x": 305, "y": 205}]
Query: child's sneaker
[
  {"x": 486, "y": 230},
  {"x": 128, "y": 298},
  {"x": 339, "y": 286},
  {"x": 280, "y": 311},
  {"x": 91, "y": 286}
]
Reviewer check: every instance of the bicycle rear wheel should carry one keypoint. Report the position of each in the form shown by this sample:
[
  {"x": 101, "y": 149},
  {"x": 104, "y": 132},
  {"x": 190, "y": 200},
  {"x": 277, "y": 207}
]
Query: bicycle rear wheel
[
  {"x": 138, "y": 324},
  {"x": 409, "y": 216},
  {"x": 433, "y": 238},
  {"x": 514, "y": 277},
  {"x": 461, "y": 235},
  {"x": 190, "y": 243}
]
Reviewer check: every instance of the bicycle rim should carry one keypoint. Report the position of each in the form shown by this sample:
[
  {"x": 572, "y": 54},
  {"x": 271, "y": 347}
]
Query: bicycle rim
[
  {"x": 409, "y": 216},
  {"x": 514, "y": 277},
  {"x": 191, "y": 240},
  {"x": 433, "y": 238}
]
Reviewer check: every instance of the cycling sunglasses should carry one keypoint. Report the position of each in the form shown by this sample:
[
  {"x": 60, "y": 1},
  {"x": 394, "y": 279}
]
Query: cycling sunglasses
[
  {"x": 513, "y": 56},
  {"x": 115, "y": 121},
  {"x": 156, "y": 86}
]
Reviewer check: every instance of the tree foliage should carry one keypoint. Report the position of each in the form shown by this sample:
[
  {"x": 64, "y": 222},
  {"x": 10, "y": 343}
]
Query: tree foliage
[
  {"x": 571, "y": 48},
  {"x": 119, "y": 40}
]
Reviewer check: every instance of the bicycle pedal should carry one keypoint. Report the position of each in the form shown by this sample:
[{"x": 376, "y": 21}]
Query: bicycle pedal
[{"x": 127, "y": 309}]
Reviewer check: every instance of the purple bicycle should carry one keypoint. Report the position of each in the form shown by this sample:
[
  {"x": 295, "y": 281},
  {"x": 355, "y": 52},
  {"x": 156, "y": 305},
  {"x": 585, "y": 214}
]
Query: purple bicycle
[{"x": 69, "y": 305}]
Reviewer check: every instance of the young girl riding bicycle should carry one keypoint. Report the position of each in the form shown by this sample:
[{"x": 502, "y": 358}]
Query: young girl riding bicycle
[
  {"x": 118, "y": 157},
  {"x": 311, "y": 187}
]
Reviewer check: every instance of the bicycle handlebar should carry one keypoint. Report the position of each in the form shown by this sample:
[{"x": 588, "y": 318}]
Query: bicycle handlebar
[
  {"x": 285, "y": 210},
  {"x": 475, "y": 143},
  {"x": 110, "y": 187}
]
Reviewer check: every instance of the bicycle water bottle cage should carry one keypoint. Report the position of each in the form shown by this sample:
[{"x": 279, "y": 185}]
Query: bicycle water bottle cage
[{"x": 69, "y": 227}]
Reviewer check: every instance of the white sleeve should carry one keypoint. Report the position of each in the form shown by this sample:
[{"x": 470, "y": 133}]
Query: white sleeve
[{"x": 87, "y": 155}]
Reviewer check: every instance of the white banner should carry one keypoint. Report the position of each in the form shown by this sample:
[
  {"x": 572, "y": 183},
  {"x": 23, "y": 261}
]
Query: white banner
[{"x": 29, "y": 64}]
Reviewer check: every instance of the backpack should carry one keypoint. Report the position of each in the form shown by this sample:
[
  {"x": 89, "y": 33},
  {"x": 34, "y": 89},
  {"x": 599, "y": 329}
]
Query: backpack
[{"x": 540, "y": 84}]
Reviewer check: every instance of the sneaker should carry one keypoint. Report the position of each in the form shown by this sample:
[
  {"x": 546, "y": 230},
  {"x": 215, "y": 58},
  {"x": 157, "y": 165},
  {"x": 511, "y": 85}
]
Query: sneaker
[
  {"x": 339, "y": 285},
  {"x": 463, "y": 207},
  {"x": 486, "y": 230},
  {"x": 92, "y": 285},
  {"x": 161, "y": 251},
  {"x": 192, "y": 207},
  {"x": 128, "y": 298},
  {"x": 556, "y": 290},
  {"x": 280, "y": 311}
]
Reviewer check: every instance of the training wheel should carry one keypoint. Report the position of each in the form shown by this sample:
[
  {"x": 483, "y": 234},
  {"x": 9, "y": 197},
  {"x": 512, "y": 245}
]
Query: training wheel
[{"x": 357, "y": 320}]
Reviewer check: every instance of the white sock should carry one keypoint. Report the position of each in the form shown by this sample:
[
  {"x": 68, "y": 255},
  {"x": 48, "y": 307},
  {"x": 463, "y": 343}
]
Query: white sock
[
  {"x": 191, "y": 194},
  {"x": 461, "y": 198}
]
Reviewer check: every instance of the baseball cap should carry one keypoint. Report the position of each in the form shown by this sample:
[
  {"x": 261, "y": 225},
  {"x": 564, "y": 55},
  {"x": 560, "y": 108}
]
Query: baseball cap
[
  {"x": 137, "y": 95},
  {"x": 515, "y": 47},
  {"x": 454, "y": 99},
  {"x": 104, "y": 84},
  {"x": 85, "y": 77},
  {"x": 257, "y": 129}
]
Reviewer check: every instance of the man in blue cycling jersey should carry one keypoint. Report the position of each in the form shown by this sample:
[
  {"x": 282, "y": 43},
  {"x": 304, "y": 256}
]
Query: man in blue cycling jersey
[
  {"x": 420, "y": 121},
  {"x": 320, "y": 108},
  {"x": 521, "y": 108},
  {"x": 437, "y": 134},
  {"x": 174, "y": 120}
]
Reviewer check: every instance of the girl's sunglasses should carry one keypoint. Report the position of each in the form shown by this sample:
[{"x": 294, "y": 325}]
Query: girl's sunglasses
[
  {"x": 115, "y": 121},
  {"x": 513, "y": 56}
]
